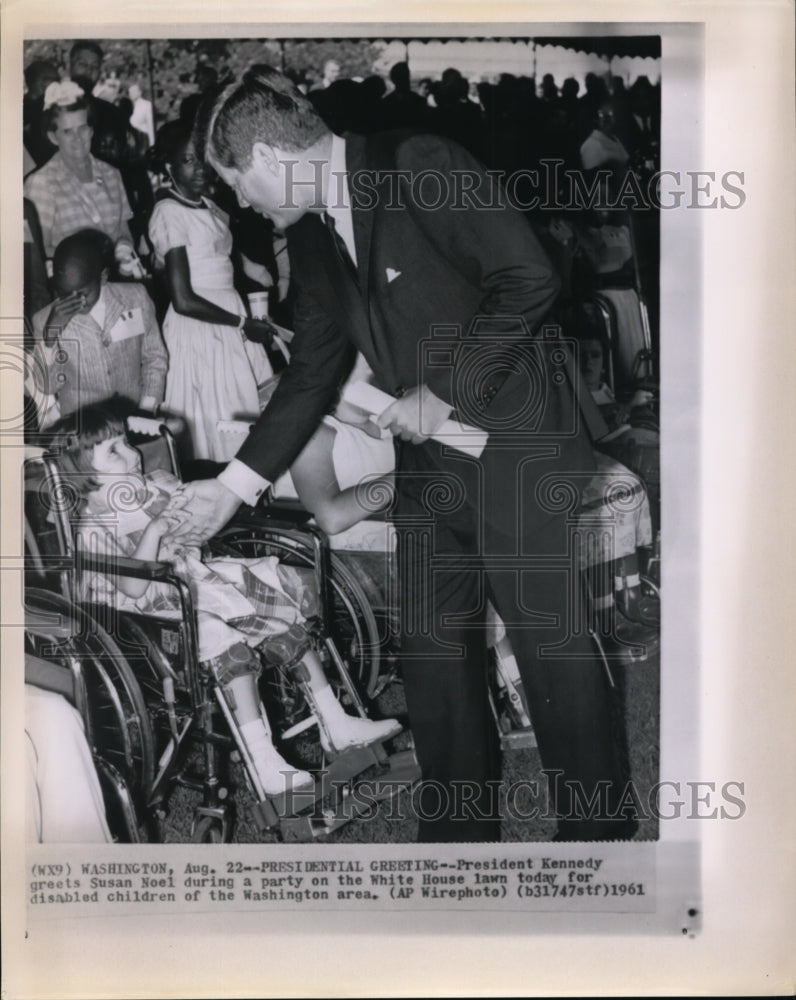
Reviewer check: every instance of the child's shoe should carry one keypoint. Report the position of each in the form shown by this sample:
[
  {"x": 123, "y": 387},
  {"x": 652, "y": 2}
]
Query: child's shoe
[
  {"x": 340, "y": 731},
  {"x": 354, "y": 731},
  {"x": 274, "y": 772}
]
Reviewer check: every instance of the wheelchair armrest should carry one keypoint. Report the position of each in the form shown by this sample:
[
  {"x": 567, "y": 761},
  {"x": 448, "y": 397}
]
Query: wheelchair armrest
[
  {"x": 163, "y": 572},
  {"x": 285, "y": 514},
  {"x": 140, "y": 569}
]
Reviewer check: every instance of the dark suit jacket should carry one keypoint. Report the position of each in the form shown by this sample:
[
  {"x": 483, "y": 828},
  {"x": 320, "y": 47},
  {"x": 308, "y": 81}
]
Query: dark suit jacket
[{"x": 424, "y": 275}]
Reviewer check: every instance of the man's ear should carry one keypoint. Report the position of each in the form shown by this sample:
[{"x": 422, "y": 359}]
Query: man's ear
[
  {"x": 263, "y": 155},
  {"x": 104, "y": 276}
]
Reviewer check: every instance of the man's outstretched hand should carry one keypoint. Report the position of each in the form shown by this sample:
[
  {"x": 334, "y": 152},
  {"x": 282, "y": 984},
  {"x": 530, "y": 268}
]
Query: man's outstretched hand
[{"x": 208, "y": 505}]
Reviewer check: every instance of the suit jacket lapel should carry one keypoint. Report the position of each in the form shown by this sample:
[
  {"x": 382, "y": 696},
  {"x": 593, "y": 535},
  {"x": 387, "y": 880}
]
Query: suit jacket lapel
[
  {"x": 313, "y": 254},
  {"x": 362, "y": 216},
  {"x": 114, "y": 308}
]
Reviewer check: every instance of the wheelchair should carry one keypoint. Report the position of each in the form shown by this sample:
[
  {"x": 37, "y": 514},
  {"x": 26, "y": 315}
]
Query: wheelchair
[
  {"x": 70, "y": 655},
  {"x": 156, "y": 720}
]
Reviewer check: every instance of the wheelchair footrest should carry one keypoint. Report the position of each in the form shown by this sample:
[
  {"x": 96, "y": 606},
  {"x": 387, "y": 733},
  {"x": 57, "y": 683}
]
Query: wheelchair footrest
[{"x": 336, "y": 798}]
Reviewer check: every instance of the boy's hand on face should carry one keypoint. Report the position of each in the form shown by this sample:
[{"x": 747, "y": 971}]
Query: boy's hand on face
[{"x": 63, "y": 309}]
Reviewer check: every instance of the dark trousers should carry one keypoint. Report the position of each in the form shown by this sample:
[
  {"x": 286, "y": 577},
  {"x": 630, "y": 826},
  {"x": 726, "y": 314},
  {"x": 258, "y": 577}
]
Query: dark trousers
[{"x": 451, "y": 560}]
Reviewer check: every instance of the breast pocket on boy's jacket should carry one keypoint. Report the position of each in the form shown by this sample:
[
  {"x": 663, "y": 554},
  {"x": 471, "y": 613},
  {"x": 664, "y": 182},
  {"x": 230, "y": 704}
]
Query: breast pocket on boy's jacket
[{"x": 129, "y": 324}]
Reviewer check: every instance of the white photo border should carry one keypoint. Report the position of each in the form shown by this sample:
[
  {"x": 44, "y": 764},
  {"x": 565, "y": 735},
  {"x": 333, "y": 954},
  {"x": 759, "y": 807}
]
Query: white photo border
[{"x": 683, "y": 690}]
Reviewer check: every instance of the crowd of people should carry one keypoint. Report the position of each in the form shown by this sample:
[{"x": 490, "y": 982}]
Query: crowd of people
[
  {"x": 139, "y": 259},
  {"x": 510, "y": 124}
]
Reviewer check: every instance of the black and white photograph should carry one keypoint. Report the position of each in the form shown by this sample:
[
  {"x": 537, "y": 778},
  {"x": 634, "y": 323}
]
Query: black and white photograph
[
  {"x": 357, "y": 451},
  {"x": 522, "y": 223}
]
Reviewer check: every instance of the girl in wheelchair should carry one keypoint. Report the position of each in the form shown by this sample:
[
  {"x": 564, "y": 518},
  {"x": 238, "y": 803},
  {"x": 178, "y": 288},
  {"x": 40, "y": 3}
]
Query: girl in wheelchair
[{"x": 243, "y": 605}]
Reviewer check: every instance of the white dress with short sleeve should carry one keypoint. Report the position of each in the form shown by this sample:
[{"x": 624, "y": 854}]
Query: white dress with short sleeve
[{"x": 213, "y": 370}]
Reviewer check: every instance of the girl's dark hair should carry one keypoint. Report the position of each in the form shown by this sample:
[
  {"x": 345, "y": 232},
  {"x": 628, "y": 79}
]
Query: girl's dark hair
[
  {"x": 169, "y": 140},
  {"x": 52, "y": 113},
  {"x": 74, "y": 437}
]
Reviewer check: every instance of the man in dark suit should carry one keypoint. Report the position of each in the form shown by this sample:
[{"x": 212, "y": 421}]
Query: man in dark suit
[{"x": 445, "y": 300}]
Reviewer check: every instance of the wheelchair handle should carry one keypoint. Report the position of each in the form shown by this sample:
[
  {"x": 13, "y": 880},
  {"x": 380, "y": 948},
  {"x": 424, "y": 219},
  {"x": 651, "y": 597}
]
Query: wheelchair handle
[{"x": 151, "y": 426}]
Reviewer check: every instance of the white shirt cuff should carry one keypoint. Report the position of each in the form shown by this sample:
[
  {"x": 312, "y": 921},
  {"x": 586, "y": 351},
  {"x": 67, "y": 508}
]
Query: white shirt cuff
[
  {"x": 149, "y": 403},
  {"x": 243, "y": 481}
]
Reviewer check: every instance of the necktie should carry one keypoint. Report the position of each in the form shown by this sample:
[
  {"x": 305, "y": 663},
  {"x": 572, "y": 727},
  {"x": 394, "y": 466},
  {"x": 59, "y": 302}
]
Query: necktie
[{"x": 341, "y": 249}]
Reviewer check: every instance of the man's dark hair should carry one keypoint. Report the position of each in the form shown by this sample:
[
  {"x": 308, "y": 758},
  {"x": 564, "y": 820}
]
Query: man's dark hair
[
  {"x": 264, "y": 106},
  {"x": 83, "y": 45},
  {"x": 37, "y": 69},
  {"x": 399, "y": 74}
]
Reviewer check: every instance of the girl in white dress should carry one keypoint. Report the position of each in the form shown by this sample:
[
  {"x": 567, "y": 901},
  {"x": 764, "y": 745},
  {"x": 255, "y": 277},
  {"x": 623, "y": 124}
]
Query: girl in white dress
[{"x": 214, "y": 366}]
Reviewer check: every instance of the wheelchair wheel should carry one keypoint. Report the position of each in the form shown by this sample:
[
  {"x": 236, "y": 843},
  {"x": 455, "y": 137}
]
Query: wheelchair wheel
[
  {"x": 650, "y": 603},
  {"x": 106, "y": 691},
  {"x": 355, "y": 630},
  {"x": 138, "y": 637}
]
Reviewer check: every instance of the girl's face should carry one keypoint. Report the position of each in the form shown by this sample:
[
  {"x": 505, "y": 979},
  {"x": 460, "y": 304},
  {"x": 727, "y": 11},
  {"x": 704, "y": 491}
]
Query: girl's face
[
  {"x": 591, "y": 363},
  {"x": 72, "y": 136},
  {"x": 115, "y": 456},
  {"x": 188, "y": 172}
]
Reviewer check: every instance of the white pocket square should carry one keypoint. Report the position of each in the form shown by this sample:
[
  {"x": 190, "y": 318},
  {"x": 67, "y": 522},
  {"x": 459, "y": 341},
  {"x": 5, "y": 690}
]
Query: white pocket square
[{"x": 392, "y": 275}]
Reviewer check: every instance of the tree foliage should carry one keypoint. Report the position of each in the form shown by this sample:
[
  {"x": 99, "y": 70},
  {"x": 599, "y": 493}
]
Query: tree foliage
[{"x": 165, "y": 68}]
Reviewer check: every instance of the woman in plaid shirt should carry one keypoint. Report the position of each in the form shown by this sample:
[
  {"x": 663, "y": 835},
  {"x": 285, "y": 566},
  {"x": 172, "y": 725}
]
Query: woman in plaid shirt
[
  {"x": 242, "y": 604},
  {"x": 74, "y": 190}
]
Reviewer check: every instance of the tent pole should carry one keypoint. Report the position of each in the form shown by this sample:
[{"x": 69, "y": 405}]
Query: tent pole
[{"x": 148, "y": 44}]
